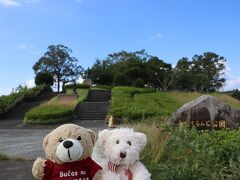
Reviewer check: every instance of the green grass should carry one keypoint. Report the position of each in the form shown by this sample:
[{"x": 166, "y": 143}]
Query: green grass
[
  {"x": 54, "y": 111},
  {"x": 178, "y": 152},
  {"x": 3, "y": 157},
  {"x": 183, "y": 153},
  {"x": 140, "y": 103},
  {"x": 29, "y": 94},
  {"x": 7, "y": 100},
  {"x": 100, "y": 87}
]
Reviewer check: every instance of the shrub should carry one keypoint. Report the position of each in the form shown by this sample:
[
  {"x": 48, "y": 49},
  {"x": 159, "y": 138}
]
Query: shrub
[
  {"x": 7, "y": 100},
  {"x": 102, "y": 87},
  {"x": 3, "y": 157},
  {"x": 183, "y": 153},
  {"x": 120, "y": 79},
  {"x": 78, "y": 86},
  {"x": 139, "y": 83},
  {"x": 32, "y": 94},
  {"x": 44, "y": 78},
  {"x": 236, "y": 94}
]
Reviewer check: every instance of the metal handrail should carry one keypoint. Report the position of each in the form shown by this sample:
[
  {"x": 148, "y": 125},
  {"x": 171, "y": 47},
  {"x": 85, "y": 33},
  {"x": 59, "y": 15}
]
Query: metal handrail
[{"x": 10, "y": 106}]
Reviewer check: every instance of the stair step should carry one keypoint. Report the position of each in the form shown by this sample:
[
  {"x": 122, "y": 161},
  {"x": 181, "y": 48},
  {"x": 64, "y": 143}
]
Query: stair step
[
  {"x": 20, "y": 110},
  {"x": 96, "y": 107},
  {"x": 99, "y": 96}
]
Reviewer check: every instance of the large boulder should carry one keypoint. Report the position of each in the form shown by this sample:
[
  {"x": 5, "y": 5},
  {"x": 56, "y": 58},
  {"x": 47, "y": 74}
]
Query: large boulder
[{"x": 207, "y": 112}]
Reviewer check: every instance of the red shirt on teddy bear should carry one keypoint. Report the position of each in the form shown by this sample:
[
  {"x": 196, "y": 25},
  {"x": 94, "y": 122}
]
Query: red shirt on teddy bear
[{"x": 78, "y": 170}]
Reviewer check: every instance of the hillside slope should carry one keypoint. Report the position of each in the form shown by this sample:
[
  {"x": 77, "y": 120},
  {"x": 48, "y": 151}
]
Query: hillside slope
[{"x": 141, "y": 103}]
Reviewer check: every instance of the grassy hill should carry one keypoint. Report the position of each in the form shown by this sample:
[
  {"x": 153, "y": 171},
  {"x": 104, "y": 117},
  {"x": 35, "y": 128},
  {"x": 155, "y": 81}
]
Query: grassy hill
[
  {"x": 55, "y": 111},
  {"x": 178, "y": 152},
  {"x": 142, "y": 103}
]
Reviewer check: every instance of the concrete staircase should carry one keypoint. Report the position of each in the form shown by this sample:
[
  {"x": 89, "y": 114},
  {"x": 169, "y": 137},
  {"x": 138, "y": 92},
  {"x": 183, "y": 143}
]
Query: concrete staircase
[
  {"x": 99, "y": 96},
  {"x": 19, "y": 111},
  {"x": 96, "y": 106}
]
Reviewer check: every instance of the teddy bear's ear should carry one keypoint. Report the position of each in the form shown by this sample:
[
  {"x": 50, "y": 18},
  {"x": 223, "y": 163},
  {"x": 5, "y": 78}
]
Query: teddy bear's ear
[
  {"x": 45, "y": 141},
  {"x": 93, "y": 136},
  {"x": 102, "y": 137},
  {"x": 141, "y": 139}
]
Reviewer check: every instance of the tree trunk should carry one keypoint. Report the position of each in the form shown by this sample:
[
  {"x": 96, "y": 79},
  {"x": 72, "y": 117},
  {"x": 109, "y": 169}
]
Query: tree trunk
[{"x": 58, "y": 83}]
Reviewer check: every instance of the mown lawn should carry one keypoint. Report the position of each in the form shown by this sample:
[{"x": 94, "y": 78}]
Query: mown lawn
[
  {"x": 141, "y": 103},
  {"x": 54, "y": 111}
]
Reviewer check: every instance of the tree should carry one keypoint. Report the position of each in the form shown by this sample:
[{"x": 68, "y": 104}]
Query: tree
[
  {"x": 210, "y": 68},
  {"x": 44, "y": 78},
  {"x": 204, "y": 73},
  {"x": 120, "y": 79},
  {"x": 139, "y": 83},
  {"x": 60, "y": 64},
  {"x": 110, "y": 70},
  {"x": 186, "y": 79},
  {"x": 159, "y": 73},
  {"x": 100, "y": 73}
]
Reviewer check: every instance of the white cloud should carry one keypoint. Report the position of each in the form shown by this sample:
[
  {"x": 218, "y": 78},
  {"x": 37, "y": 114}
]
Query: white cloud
[
  {"x": 80, "y": 80},
  {"x": 156, "y": 36},
  {"x": 232, "y": 83},
  {"x": 27, "y": 47},
  {"x": 9, "y": 3},
  {"x": 30, "y": 83},
  {"x": 5, "y": 91},
  {"x": 12, "y": 3},
  {"x": 227, "y": 70},
  {"x": 22, "y": 46}
]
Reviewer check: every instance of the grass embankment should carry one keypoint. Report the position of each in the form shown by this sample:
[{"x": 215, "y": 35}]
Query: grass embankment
[
  {"x": 29, "y": 94},
  {"x": 183, "y": 153},
  {"x": 55, "y": 111},
  {"x": 7, "y": 100},
  {"x": 100, "y": 87},
  {"x": 143, "y": 103},
  {"x": 178, "y": 152}
]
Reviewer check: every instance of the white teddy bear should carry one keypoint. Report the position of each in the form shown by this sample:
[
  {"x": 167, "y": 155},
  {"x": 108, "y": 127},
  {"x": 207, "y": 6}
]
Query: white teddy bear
[{"x": 122, "y": 148}]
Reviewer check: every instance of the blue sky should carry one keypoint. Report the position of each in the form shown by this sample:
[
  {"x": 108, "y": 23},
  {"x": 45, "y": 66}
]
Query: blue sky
[{"x": 169, "y": 29}]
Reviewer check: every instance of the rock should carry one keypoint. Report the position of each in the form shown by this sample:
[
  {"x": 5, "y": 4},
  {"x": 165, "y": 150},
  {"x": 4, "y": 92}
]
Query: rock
[{"x": 207, "y": 112}]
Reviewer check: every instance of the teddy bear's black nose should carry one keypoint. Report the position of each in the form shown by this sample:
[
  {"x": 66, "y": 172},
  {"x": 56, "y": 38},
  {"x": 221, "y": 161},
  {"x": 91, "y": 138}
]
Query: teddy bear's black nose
[
  {"x": 123, "y": 155},
  {"x": 67, "y": 144}
]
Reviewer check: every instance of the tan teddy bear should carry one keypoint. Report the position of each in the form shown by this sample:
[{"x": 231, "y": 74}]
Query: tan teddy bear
[{"x": 68, "y": 149}]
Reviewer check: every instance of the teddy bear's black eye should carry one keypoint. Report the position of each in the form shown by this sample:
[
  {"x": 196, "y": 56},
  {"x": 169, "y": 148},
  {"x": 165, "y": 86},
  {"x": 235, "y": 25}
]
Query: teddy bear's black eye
[
  {"x": 60, "y": 140},
  {"x": 79, "y": 138},
  {"x": 129, "y": 143},
  {"x": 117, "y": 141}
]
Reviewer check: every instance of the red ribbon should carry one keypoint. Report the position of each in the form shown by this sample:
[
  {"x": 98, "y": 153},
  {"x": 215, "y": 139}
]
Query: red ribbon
[{"x": 113, "y": 167}]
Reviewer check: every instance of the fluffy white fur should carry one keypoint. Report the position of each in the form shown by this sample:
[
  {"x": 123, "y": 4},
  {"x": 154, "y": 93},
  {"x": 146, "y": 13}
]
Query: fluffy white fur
[{"x": 125, "y": 141}]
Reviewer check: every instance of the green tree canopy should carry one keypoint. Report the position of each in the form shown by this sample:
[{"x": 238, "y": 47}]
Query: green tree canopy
[
  {"x": 44, "y": 78},
  {"x": 204, "y": 73},
  {"x": 60, "y": 64}
]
